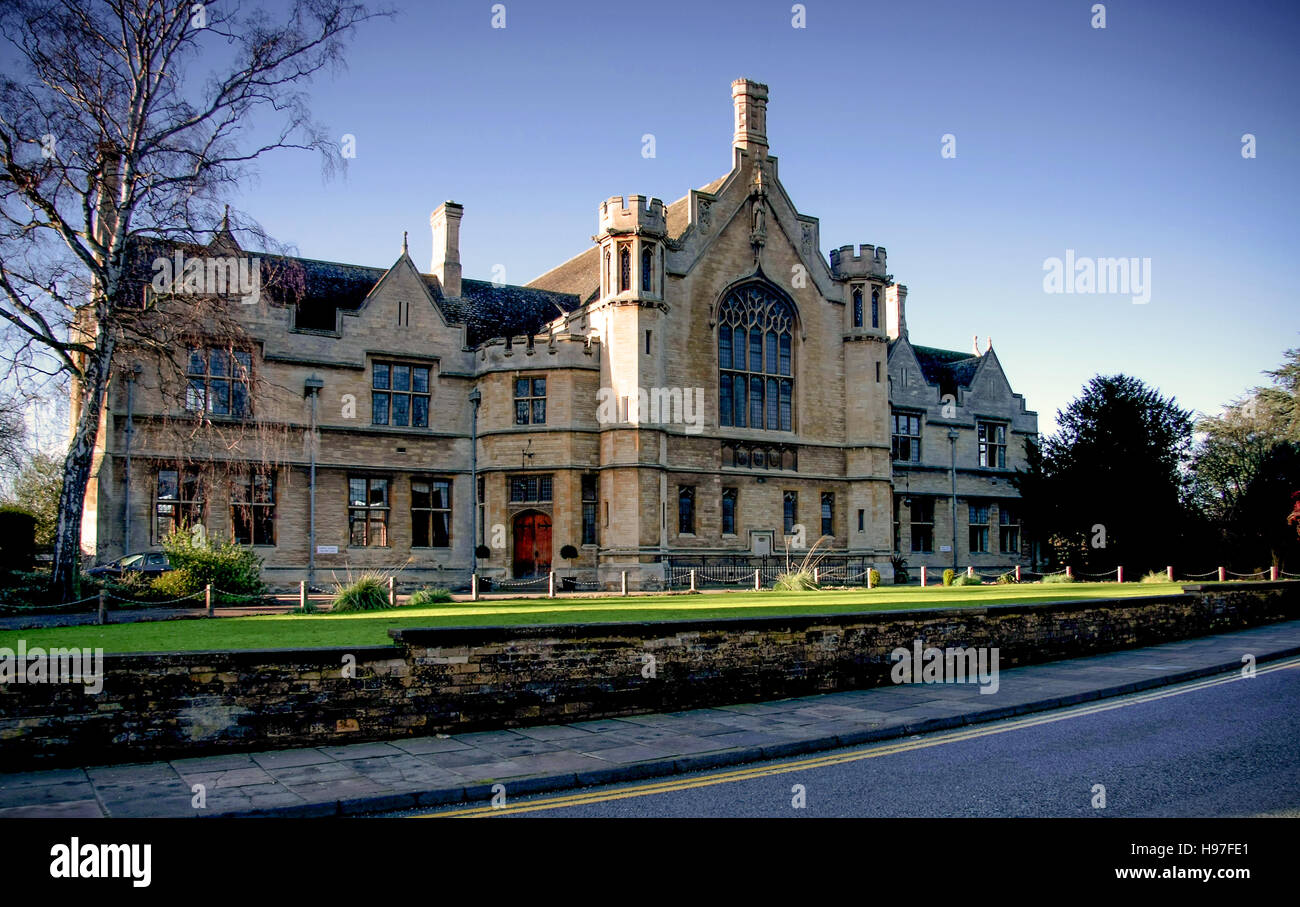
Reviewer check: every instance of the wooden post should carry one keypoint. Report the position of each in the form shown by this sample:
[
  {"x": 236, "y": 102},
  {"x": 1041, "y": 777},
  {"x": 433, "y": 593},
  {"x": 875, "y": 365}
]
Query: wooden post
[
  {"x": 1017, "y": 573},
  {"x": 692, "y": 580},
  {"x": 550, "y": 584},
  {"x": 392, "y": 593},
  {"x": 1169, "y": 571},
  {"x": 970, "y": 570},
  {"x": 1272, "y": 573},
  {"x": 817, "y": 576},
  {"x": 103, "y": 607},
  {"x": 869, "y": 586},
  {"x": 923, "y": 576},
  {"x": 302, "y": 595},
  {"x": 207, "y": 598},
  {"x": 625, "y": 582},
  {"x": 1223, "y": 574},
  {"x": 757, "y": 581},
  {"x": 473, "y": 587},
  {"x": 1069, "y": 571},
  {"x": 1119, "y": 574}
]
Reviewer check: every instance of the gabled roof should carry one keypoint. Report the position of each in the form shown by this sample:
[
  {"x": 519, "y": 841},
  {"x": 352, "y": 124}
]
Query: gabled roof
[
  {"x": 943, "y": 367},
  {"x": 319, "y": 289}
]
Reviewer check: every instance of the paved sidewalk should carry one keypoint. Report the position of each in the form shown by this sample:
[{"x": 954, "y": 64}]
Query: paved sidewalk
[{"x": 430, "y": 771}]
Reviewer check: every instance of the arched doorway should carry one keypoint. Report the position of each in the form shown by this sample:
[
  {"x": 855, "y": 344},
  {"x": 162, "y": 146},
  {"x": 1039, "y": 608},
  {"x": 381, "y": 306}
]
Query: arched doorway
[{"x": 532, "y": 544}]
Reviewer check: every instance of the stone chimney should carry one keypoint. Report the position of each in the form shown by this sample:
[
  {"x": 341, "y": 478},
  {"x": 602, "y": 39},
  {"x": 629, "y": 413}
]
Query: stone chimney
[
  {"x": 110, "y": 188},
  {"x": 896, "y": 311},
  {"x": 445, "y": 223},
  {"x": 750, "y": 100}
]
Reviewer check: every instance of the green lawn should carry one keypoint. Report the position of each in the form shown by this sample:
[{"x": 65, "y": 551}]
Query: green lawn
[{"x": 339, "y": 630}]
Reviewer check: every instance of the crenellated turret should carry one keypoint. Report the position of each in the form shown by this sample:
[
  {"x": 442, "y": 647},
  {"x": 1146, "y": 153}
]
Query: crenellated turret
[
  {"x": 870, "y": 262},
  {"x": 634, "y": 215},
  {"x": 631, "y": 238}
]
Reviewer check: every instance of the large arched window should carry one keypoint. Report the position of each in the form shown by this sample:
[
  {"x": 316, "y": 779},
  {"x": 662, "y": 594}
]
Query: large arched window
[{"x": 755, "y": 359}]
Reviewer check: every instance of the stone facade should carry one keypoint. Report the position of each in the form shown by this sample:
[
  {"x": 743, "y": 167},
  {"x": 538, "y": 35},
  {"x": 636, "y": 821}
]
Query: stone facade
[{"x": 701, "y": 381}]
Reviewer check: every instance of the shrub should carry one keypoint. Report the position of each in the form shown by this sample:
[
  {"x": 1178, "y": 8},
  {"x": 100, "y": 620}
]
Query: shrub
[
  {"x": 133, "y": 586},
  {"x": 899, "y": 563},
  {"x": 229, "y": 567},
  {"x": 369, "y": 592},
  {"x": 29, "y": 588},
  {"x": 795, "y": 581},
  {"x": 429, "y": 596},
  {"x": 948, "y": 576},
  {"x": 568, "y": 552},
  {"x": 17, "y": 539},
  {"x": 965, "y": 580},
  {"x": 873, "y": 577},
  {"x": 1058, "y": 578},
  {"x": 1155, "y": 576},
  {"x": 1007, "y": 579}
]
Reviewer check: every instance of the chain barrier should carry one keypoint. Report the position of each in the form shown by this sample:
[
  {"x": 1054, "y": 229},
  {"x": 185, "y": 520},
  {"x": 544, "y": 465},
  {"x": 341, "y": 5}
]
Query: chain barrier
[
  {"x": 242, "y": 596},
  {"x": 80, "y": 601},
  {"x": 131, "y": 601},
  {"x": 518, "y": 584}
]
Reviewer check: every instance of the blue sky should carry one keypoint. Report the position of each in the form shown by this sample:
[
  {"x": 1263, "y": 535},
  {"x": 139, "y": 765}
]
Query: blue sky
[{"x": 1116, "y": 142}]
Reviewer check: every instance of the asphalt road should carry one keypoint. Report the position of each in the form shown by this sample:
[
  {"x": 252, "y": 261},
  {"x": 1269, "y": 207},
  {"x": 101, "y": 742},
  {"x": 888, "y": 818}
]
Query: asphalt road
[{"x": 1214, "y": 748}]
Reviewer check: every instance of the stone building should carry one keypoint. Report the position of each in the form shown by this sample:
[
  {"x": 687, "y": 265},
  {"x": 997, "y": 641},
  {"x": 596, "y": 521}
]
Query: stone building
[{"x": 700, "y": 385}]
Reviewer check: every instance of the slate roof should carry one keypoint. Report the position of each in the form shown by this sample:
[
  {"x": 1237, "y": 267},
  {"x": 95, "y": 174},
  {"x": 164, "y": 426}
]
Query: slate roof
[
  {"x": 579, "y": 276},
  {"x": 318, "y": 288},
  {"x": 946, "y": 367}
]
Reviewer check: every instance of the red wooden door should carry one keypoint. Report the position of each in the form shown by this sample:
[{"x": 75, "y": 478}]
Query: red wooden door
[{"x": 532, "y": 544}]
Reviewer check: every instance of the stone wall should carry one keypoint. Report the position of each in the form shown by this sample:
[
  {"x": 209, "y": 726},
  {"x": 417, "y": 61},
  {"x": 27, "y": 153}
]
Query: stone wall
[{"x": 459, "y": 679}]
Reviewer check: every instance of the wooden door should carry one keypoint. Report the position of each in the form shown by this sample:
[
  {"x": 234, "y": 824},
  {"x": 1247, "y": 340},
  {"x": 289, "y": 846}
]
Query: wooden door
[{"x": 532, "y": 544}]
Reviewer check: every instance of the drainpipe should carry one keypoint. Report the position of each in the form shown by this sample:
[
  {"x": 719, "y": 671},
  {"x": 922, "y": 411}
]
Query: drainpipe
[
  {"x": 952, "y": 442},
  {"x": 311, "y": 388},
  {"x": 131, "y": 375},
  {"x": 475, "y": 398}
]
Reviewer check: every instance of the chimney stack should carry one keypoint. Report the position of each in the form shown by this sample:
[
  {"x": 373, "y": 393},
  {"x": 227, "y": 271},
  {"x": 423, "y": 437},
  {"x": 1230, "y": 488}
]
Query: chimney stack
[
  {"x": 445, "y": 223},
  {"x": 110, "y": 188},
  {"x": 750, "y": 100},
  {"x": 896, "y": 311}
]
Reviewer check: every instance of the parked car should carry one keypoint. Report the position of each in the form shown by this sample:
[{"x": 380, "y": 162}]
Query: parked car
[{"x": 149, "y": 563}]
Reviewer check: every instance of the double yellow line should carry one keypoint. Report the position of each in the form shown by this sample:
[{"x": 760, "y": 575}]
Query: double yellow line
[{"x": 838, "y": 757}]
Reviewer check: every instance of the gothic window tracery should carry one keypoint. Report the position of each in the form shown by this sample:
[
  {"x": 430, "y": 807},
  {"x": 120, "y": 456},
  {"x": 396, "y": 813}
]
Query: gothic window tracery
[{"x": 755, "y": 359}]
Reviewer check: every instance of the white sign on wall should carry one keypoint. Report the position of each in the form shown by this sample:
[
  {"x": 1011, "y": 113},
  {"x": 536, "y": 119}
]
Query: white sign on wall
[{"x": 327, "y": 549}]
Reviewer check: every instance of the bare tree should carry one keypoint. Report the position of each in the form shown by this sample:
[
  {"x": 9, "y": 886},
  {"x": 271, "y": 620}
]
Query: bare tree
[{"x": 109, "y": 139}]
